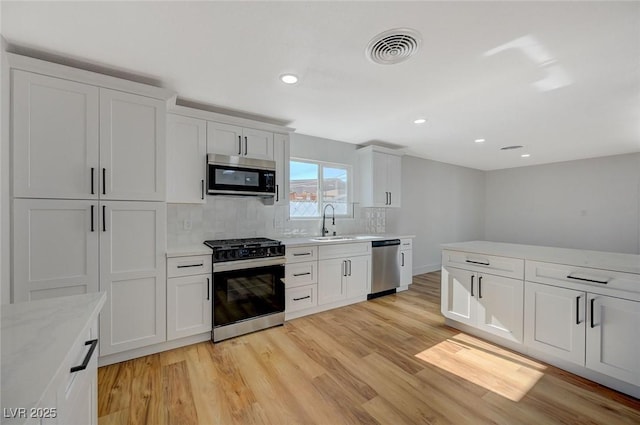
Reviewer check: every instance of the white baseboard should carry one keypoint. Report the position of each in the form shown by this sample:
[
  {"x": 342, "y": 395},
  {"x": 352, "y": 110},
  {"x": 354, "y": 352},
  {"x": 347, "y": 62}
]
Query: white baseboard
[
  {"x": 427, "y": 268},
  {"x": 152, "y": 349}
]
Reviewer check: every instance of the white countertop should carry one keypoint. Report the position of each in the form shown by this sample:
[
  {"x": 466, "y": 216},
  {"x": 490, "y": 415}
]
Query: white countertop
[
  {"x": 307, "y": 240},
  {"x": 36, "y": 337},
  {"x": 628, "y": 263},
  {"x": 185, "y": 251}
]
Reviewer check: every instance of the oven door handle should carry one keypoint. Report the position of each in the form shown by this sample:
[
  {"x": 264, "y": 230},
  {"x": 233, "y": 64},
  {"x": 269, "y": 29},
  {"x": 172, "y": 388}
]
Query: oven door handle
[{"x": 248, "y": 264}]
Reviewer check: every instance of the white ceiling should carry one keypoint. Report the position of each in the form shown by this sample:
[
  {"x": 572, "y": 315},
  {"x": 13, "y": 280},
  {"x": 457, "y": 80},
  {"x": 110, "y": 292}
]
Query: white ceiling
[{"x": 560, "y": 78}]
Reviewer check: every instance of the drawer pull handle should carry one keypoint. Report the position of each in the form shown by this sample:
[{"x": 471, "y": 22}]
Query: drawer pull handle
[
  {"x": 298, "y": 254},
  {"x": 604, "y": 282},
  {"x": 87, "y": 358},
  {"x": 184, "y": 266},
  {"x": 477, "y": 262},
  {"x": 302, "y": 298},
  {"x": 302, "y": 274}
]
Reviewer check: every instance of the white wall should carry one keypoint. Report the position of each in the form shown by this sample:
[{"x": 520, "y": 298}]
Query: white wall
[
  {"x": 440, "y": 203},
  {"x": 586, "y": 204}
]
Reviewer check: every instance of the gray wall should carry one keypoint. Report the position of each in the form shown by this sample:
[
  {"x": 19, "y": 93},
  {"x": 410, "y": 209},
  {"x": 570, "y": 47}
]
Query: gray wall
[
  {"x": 440, "y": 203},
  {"x": 586, "y": 204}
]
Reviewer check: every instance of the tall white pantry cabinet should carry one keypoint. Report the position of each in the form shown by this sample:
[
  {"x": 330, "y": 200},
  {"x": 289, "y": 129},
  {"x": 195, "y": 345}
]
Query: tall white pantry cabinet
[{"x": 88, "y": 191}]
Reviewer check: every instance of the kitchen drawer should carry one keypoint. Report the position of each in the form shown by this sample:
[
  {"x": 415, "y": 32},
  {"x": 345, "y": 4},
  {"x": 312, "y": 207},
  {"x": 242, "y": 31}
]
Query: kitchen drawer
[
  {"x": 581, "y": 278},
  {"x": 344, "y": 250},
  {"x": 406, "y": 244},
  {"x": 301, "y": 298},
  {"x": 188, "y": 266},
  {"x": 299, "y": 274},
  {"x": 500, "y": 266},
  {"x": 298, "y": 254}
]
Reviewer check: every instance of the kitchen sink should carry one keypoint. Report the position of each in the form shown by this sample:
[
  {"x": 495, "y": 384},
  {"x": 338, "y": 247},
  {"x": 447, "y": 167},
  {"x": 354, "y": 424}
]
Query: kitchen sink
[{"x": 333, "y": 238}]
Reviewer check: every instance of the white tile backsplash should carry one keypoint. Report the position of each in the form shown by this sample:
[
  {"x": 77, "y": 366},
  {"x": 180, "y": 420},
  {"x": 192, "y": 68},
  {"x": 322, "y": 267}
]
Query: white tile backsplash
[{"x": 242, "y": 217}]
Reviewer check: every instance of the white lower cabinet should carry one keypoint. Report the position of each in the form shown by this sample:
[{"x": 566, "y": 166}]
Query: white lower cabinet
[
  {"x": 189, "y": 296},
  {"x": 301, "y": 298},
  {"x": 554, "y": 321},
  {"x": 77, "y": 392},
  {"x": 55, "y": 248},
  {"x": 340, "y": 279},
  {"x": 487, "y": 302},
  {"x": 132, "y": 273},
  {"x": 406, "y": 262},
  {"x": 613, "y": 337}
]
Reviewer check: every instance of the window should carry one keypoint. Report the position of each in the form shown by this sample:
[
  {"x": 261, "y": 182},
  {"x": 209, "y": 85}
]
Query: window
[{"x": 314, "y": 184}]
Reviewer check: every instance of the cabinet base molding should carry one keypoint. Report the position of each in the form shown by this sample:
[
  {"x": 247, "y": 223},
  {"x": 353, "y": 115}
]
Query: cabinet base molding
[
  {"x": 402, "y": 288},
  {"x": 323, "y": 307},
  {"x": 153, "y": 349},
  {"x": 605, "y": 380}
]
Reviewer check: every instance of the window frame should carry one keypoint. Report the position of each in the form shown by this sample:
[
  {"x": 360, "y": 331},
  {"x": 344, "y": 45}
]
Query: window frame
[{"x": 321, "y": 165}]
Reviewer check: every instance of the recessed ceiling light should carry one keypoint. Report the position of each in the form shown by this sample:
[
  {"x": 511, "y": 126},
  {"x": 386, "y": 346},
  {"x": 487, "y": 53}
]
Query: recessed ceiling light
[
  {"x": 525, "y": 155},
  {"x": 420, "y": 121},
  {"x": 289, "y": 78},
  {"x": 479, "y": 140}
]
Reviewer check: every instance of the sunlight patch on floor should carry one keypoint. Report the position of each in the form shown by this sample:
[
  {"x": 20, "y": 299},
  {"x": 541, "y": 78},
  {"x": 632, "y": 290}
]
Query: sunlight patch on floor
[{"x": 495, "y": 369}]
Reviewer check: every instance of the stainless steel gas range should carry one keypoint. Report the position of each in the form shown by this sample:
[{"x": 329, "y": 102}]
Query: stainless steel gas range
[{"x": 248, "y": 287}]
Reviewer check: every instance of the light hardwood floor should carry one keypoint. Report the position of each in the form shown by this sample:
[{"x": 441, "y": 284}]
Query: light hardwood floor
[{"x": 386, "y": 361}]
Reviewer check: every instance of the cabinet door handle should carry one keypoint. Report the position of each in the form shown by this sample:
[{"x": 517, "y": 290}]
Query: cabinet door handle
[
  {"x": 349, "y": 267},
  {"x": 93, "y": 190},
  {"x": 92, "y": 214},
  {"x": 402, "y": 256},
  {"x": 239, "y": 145},
  {"x": 184, "y": 266},
  {"x": 104, "y": 218},
  {"x": 477, "y": 262},
  {"x": 389, "y": 198},
  {"x": 302, "y": 274},
  {"x": 104, "y": 181},
  {"x": 578, "y": 310},
  {"x": 479, "y": 286},
  {"x": 208, "y": 283},
  {"x": 593, "y": 300},
  {"x": 344, "y": 268},
  {"x": 302, "y": 298},
  {"x": 604, "y": 282},
  {"x": 246, "y": 142},
  {"x": 277, "y": 192},
  {"x": 202, "y": 189},
  {"x": 87, "y": 358},
  {"x": 472, "y": 277}
]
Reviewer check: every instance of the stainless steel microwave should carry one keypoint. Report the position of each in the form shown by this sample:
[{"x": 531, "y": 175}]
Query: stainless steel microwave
[{"x": 236, "y": 175}]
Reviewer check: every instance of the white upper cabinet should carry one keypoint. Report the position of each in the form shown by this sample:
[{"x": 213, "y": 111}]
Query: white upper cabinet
[
  {"x": 55, "y": 137},
  {"x": 233, "y": 140},
  {"x": 380, "y": 177},
  {"x": 77, "y": 141},
  {"x": 186, "y": 159},
  {"x": 132, "y": 147},
  {"x": 281, "y": 156}
]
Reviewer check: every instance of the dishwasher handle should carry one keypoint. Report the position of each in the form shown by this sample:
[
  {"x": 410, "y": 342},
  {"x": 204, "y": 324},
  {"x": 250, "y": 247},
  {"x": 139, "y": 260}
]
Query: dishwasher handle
[{"x": 388, "y": 242}]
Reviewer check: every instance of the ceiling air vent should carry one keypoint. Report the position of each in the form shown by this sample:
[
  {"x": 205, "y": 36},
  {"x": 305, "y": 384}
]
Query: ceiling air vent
[
  {"x": 508, "y": 148},
  {"x": 393, "y": 46}
]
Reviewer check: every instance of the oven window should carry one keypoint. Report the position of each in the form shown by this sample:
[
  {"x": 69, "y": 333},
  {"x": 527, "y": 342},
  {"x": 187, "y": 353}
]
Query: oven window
[
  {"x": 231, "y": 177},
  {"x": 244, "y": 294}
]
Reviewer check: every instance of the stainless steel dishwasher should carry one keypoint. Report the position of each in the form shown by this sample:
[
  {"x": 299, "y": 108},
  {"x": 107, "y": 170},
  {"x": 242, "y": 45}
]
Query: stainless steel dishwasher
[{"x": 385, "y": 267}]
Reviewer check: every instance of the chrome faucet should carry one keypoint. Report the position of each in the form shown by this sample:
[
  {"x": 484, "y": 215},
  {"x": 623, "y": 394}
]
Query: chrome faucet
[{"x": 324, "y": 216}]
